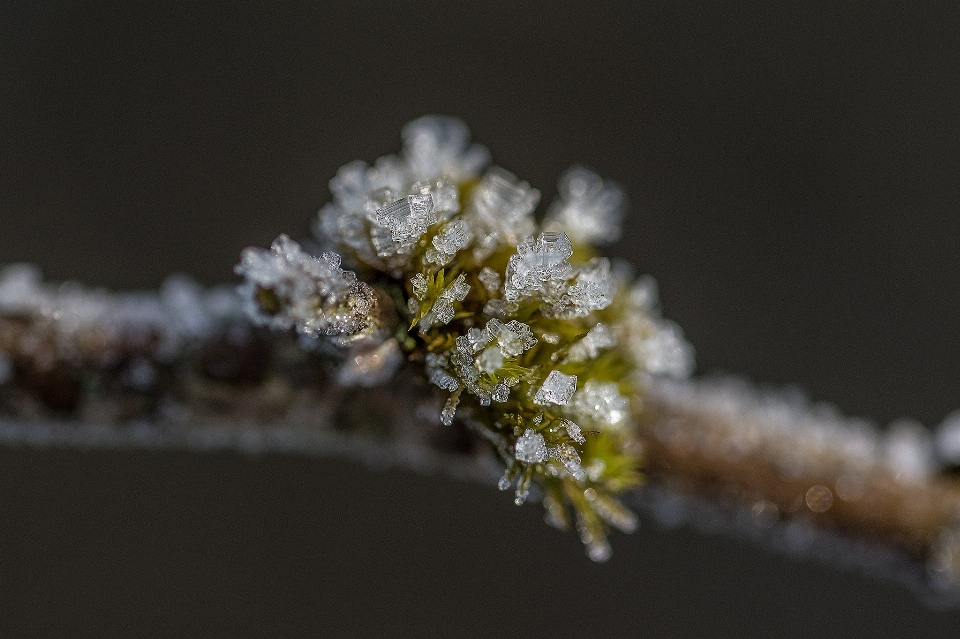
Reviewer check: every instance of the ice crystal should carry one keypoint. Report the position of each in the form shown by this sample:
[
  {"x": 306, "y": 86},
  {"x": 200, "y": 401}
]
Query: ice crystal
[
  {"x": 490, "y": 279},
  {"x": 573, "y": 430},
  {"x": 588, "y": 208},
  {"x": 502, "y": 209},
  {"x": 557, "y": 388},
  {"x": 440, "y": 146},
  {"x": 454, "y": 236},
  {"x": 592, "y": 290},
  {"x": 531, "y": 448},
  {"x": 408, "y": 218},
  {"x": 597, "y": 339},
  {"x": 537, "y": 264},
  {"x": 601, "y": 404},
  {"x": 567, "y": 455}
]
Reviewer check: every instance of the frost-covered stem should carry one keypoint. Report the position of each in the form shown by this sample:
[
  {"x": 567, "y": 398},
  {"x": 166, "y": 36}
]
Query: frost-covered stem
[{"x": 735, "y": 451}]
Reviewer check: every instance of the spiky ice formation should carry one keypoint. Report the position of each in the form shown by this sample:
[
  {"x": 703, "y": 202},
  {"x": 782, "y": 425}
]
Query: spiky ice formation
[{"x": 543, "y": 347}]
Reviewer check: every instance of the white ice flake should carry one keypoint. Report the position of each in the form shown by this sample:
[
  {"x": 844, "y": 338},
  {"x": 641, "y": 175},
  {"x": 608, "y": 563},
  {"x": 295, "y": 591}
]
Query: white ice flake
[
  {"x": 573, "y": 430},
  {"x": 568, "y": 456},
  {"x": 502, "y": 210},
  {"x": 557, "y": 388},
  {"x": 664, "y": 351},
  {"x": 589, "y": 209},
  {"x": 531, "y": 448},
  {"x": 490, "y": 279}
]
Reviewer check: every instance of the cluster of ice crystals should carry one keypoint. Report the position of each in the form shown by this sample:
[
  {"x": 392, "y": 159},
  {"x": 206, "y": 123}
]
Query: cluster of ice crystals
[
  {"x": 538, "y": 266},
  {"x": 514, "y": 337},
  {"x": 437, "y": 374},
  {"x": 601, "y": 404},
  {"x": 589, "y": 209},
  {"x": 286, "y": 287},
  {"x": 592, "y": 290},
  {"x": 665, "y": 351},
  {"x": 597, "y": 339},
  {"x": 531, "y": 448},
  {"x": 557, "y": 388},
  {"x": 453, "y": 237},
  {"x": 502, "y": 208},
  {"x": 435, "y": 145},
  {"x": 379, "y": 212},
  {"x": 407, "y": 218},
  {"x": 442, "y": 310}
]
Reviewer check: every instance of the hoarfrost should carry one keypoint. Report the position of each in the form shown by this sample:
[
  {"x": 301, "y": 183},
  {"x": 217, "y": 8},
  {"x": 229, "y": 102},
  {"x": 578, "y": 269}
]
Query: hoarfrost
[
  {"x": 589, "y": 209},
  {"x": 558, "y": 388},
  {"x": 536, "y": 264},
  {"x": 531, "y": 448}
]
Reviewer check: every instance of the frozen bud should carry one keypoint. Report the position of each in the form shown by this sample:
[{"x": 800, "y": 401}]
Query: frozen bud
[
  {"x": 407, "y": 218},
  {"x": 589, "y": 209},
  {"x": 567, "y": 455},
  {"x": 558, "y": 388},
  {"x": 597, "y": 339},
  {"x": 600, "y": 403},
  {"x": 537, "y": 262},
  {"x": 286, "y": 287},
  {"x": 448, "y": 241},
  {"x": 436, "y": 145},
  {"x": 531, "y": 448},
  {"x": 490, "y": 279}
]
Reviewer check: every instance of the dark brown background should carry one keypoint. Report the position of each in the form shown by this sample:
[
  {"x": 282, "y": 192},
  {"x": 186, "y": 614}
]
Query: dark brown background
[{"x": 793, "y": 173}]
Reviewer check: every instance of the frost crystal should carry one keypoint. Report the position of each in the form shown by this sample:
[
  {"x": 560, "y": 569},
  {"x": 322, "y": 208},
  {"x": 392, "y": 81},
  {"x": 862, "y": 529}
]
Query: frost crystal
[
  {"x": 592, "y": 290},
  {"x": 573, "y": 431},
  {"x": 598, "y": 338},
  {"x": 442, "y": 310},
  {"x": 490, "y": 279},
  {"x": 600, "y": 403},
  {"x": 567, "y": 455},
  {"x": 447, "y": 242},
  {"x": 286, "y": 287},
  {"x": 408, "y": 218},
  {"x": 665, "y": 352},
  {"x": 531, "y": 448},
  {"x": 588, "y": 209},
  {"x": 513, "y": 337},
  {"x": 536, "y": 264},
  {"x": 435, "y": 145},
  {"x": 558, "y": 388},
  {"x": 503, "y": 209}
]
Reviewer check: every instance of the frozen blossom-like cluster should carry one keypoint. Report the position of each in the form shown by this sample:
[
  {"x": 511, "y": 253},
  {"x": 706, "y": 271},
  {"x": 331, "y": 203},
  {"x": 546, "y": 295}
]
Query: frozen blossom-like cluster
[
  {"x": 286, "y": 288},
  {"x": 539, "y": 344}
]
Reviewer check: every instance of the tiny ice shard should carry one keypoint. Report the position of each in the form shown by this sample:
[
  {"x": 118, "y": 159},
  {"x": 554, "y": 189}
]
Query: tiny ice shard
[
  {"x": 558, "y": 388},
  {"x": 531, "y": 448},
  {"x": 490, "y": 279},
  {"x": 505, "y": 205},
  {"x": 589, "y": 209},
  {"x": 593, "y": 290},
  {"x": 573, "y": 430},
  {"x": 514, "y": 337}
]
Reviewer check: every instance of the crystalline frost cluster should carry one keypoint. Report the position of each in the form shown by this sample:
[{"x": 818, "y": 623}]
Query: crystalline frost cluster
[{"x": 541, "y": 345}]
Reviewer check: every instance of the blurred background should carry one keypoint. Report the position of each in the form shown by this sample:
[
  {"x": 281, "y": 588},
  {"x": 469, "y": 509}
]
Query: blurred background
[{"x": 793, "y": 177}]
